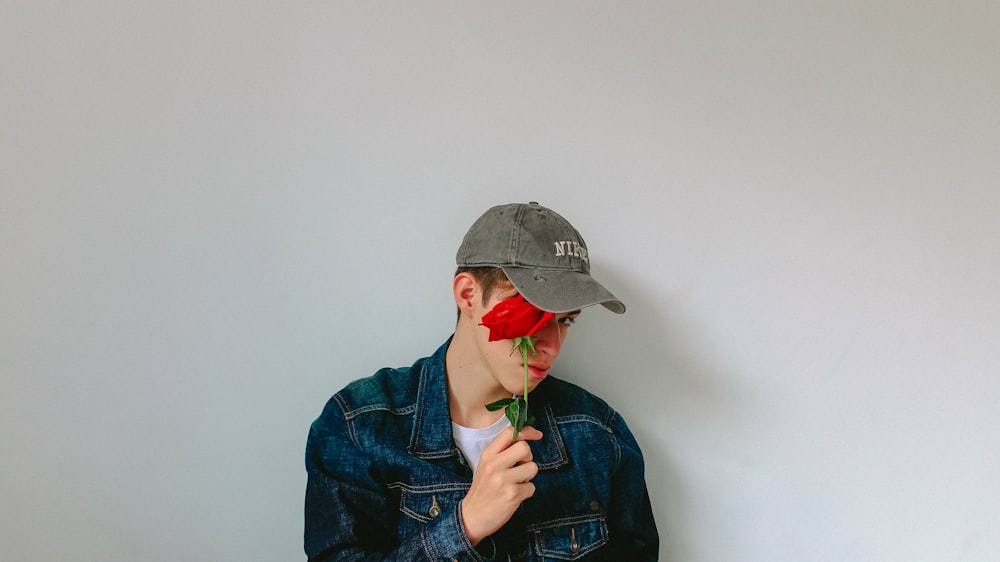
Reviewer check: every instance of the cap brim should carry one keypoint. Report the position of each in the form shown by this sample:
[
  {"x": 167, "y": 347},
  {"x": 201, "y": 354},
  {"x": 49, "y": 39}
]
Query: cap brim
[{"x": 560, "y": 290}]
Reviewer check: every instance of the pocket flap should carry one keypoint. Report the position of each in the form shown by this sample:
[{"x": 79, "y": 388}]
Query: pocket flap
[
  {"x": 429, "y": 502},
  {"x": 570, "y": 539}
]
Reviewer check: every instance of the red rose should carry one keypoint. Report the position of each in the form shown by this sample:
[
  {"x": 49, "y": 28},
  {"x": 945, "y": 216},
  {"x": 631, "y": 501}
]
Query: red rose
[{"x": 515, "y": 318}]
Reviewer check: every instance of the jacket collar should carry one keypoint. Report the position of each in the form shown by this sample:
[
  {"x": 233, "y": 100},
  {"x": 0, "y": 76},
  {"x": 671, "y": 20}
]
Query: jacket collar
[{"x": 432, "y": 436}]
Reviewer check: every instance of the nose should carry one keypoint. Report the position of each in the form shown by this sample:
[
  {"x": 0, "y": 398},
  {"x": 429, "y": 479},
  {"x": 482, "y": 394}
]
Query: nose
[{"x": 549, "y": 339}]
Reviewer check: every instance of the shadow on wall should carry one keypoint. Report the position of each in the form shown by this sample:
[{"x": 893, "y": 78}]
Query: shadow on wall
[{"x": 642, "y": 364}]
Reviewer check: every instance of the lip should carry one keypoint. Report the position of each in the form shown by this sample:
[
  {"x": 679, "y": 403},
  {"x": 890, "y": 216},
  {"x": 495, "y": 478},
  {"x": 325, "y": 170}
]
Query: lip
[{"x": 538, "y": 372}]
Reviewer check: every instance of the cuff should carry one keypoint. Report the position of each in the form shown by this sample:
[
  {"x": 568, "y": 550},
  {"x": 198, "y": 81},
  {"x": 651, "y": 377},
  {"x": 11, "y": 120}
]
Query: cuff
[{"x": 445, "y": 538}]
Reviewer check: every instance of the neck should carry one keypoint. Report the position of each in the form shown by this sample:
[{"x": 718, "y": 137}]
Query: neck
[{"x": 470, "y": 384}]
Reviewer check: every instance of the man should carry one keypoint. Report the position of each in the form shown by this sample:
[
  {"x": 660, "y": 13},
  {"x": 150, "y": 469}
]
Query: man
[{"x": 409, "y": 464}]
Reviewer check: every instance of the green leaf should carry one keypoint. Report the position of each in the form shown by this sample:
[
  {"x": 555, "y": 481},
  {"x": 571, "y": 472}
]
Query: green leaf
[
  {"x": 530, "y": 345},
  {"x": 494, "y": 406},
  {"x": 513, "y": 413},
  {"x": 517, "y": 345}
]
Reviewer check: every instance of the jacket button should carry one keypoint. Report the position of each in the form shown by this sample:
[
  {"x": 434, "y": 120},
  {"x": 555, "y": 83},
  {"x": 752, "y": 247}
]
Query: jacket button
[
  {"x": 595, "y": 506},
  {"x": 435, "y": 509}
]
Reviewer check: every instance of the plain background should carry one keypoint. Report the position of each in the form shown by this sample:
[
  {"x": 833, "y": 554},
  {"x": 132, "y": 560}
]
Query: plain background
[{"x": 213, "y": 215}]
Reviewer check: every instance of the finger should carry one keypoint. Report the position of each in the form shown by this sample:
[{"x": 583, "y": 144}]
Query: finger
[
  {"x": 505, "y": 440},
  {"x": 529, "y": 433},
  {"x": 515, "y": 494},
  {"x": 502, "y": 442},
  {"x": 524, "y": 472},
  {"x": 518, "y": 452}
]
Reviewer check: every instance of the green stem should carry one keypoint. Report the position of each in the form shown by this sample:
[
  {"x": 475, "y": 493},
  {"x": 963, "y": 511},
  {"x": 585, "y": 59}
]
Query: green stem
[
  {"x": 524, "y": 358},
  {"x": 517, "y": 407}
]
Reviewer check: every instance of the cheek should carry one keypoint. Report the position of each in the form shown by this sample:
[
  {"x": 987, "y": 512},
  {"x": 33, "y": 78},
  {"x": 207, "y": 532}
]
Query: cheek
[
  {"x": 503, "y": 350},
  {"x": 497, "y": 350}
]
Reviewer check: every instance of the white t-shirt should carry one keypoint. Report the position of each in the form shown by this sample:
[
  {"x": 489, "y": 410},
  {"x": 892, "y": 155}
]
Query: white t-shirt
[{"x": 472, "y": 442}]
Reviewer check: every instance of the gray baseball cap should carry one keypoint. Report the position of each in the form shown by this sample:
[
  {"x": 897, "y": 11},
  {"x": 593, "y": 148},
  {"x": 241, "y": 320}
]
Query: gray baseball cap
[{"x": 542, "y": 255}]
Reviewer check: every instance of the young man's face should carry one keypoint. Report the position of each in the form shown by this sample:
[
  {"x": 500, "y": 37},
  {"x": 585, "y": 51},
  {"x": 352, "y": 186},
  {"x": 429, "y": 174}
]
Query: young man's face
[{"x": 507, "y": 368}]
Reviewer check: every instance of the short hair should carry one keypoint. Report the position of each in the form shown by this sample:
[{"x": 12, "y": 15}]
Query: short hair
[{"x": 490, "y": 278}]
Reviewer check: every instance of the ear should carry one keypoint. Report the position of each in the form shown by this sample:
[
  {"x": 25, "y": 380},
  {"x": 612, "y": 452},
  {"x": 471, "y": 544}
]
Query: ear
[{"x": 467, "y": 291}]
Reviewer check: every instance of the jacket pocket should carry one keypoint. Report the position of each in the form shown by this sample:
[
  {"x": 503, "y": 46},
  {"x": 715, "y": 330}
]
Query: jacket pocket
[
  {"x": 568, "y": 539},
  {"x": 422, "y": 504}
]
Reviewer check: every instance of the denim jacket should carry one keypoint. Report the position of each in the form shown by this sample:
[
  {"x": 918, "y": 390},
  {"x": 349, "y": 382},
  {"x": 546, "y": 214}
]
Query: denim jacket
[{"x": 385, "y": 477}]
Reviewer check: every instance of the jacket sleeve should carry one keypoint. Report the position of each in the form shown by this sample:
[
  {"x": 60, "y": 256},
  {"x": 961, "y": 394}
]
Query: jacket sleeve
[
  {"x": 348, "y": 512},
  {"x": 631, "y": 526}
]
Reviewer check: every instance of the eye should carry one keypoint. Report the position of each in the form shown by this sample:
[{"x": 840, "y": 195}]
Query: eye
[{"x": 567, "y": 320}]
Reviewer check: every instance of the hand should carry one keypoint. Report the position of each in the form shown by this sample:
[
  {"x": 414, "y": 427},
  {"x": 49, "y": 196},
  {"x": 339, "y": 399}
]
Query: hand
[{"x": 500, "y": 484}]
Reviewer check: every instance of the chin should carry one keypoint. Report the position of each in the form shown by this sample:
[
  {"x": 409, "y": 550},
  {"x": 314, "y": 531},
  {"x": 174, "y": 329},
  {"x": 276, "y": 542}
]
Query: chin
[{"x": 532, "y": 385}]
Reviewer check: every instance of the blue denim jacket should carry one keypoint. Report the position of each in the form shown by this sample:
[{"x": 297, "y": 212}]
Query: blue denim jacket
[{"x": 386, "y": 478}]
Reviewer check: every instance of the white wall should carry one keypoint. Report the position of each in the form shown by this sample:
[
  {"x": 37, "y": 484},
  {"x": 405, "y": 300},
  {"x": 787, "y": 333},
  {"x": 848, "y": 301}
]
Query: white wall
[{"x": 215, "y": 214}]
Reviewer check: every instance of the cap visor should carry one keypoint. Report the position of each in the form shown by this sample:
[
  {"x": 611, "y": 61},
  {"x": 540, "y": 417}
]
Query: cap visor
[{"x": 559, "y": 290}]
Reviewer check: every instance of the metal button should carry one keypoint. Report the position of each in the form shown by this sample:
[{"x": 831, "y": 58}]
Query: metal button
[
  {"x": 595, "y": 506},
  {"x": 435, "y": 509}
]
